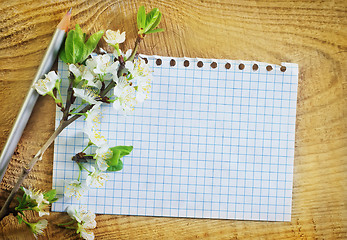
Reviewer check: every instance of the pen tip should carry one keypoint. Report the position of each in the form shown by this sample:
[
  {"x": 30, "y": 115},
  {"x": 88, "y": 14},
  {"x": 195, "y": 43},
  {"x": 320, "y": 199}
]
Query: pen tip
[{"x": 69, "y": 12}]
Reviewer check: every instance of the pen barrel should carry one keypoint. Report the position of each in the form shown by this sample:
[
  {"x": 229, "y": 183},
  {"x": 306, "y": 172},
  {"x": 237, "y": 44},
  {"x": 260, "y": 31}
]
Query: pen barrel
[{"x": 29, "y": 102}]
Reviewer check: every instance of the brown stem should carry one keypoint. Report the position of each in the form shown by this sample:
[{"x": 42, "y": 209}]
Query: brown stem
[
  {"x": 5, "y": 210},
  {"x": 26, "y": 170},
  {"x": 68, "y": 101},
  {"x": 137, "y": 43},
  {"x": 108, "y": 88}
]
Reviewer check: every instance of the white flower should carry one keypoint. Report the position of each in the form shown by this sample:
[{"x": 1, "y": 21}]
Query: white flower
[
  {"x": 86, "y": 234},
  {"x": 102, "y": 66},
  {"x": 46, "y": 85},
  {"x": 125, "y": 96},
  {"x": 74, "y": 213},
  {"x": 88, "y": 220},
  {"x": 101, "y": 155},
  {"x": 92, "y": 126},
  {"x": 130, "y": 66},
  {"x": 85, "y": 74},
  {"x": 75, "y": 70},
  {"x": 37, "y": 228},
  {"x": 125, "y": 55},
  {"x": 93, "y": 115},
  {"x": 114, "y": 37},
  {"x": 75, "y": 188},
  {"x": 42, "y": 203},
  {"x": 143, "y": 88},
  {"x": 95, "y": 136},
  {"x": 96, "y": 178},
  {"x": 141, "y": 68},
  {"x": 86, "y": 94},
  {"x": 85, "y": 221},
  {"x": 82, "y": 216}
]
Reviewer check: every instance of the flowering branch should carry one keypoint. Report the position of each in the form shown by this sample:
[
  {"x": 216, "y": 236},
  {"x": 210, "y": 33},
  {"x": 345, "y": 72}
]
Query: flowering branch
[
  {"x": 26, "y": 170},
  {"x": 130, "y": 80}
]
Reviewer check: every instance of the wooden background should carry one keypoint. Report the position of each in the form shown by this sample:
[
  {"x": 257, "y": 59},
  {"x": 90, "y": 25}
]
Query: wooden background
[{"x": 310, "y": 33}]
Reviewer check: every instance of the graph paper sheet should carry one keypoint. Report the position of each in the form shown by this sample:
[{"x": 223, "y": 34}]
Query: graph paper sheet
[{"x": 209, "y": 143}]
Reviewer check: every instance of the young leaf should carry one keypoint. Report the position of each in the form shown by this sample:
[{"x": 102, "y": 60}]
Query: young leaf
[
  {"x": 155, "y": 30},
  {"x": 69, "y": 47},
  {"x": 91, "y": 44},
  {"x": 156, "y": 23},
  {"x": 118, "y": 153},
  {"x": 63, "y": 56},
  {"x": 115, "y": 158},
  {"x": 20, "y": 219},
  {"x": 21, "y": 202},
  {"x": 118, "y": 167},
  {"x": 73, "y": 47},
  {"x": 124, "y": 150},
  {"x": 79, "y": 33},
  {"x": 50, "y": 196},
  {"x": 141, "y": 18},
  {"x": 151, "y": 18},
  {"x": 76, "y": 50}
]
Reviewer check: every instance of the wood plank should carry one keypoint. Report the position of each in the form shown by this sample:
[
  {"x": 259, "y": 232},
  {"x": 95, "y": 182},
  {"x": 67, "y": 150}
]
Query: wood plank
[{"x": 310, "y": 33}]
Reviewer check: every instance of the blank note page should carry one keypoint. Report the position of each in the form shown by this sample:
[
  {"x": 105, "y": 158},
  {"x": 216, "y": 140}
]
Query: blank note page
[{"x": 210, "y": 143}]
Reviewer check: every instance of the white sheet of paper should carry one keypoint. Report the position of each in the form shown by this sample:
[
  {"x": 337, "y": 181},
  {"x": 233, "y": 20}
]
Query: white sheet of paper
[{"x": 210, "y": 143}]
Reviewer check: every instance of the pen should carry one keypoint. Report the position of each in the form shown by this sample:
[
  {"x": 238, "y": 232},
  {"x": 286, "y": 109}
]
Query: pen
[{"x": 30, "y": 100}]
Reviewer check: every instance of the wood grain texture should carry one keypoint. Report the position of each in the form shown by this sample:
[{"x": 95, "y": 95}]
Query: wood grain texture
[{"x": 310, "y": 33}]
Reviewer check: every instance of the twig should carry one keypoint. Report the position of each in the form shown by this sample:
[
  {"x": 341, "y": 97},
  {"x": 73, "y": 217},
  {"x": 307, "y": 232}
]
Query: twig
[
  {"x": 5, "y": 210},
  {"x": 137, "y": 44},
  {"x": 68, "y": 100},
  {"x": 26, "y": 170}
]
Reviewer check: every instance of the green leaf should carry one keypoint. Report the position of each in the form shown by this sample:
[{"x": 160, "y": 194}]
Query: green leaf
[
  {"x": 20, "y": 219},
  {"x": 124, "y": 150},
  {"x": 118, "y": 153},
  {"x": 69, "y": 47},
  {"x": 79, "y": 33},
  {"x": 76, "y": 50},
  {"x": 151, "y": 18},
  {"x": 50, "y": 195},
  {"x": 74, "y": 47},
  {"x": 141, "y": 18},
  {"x": 115, "y": 158},
  {"x": 31, "y": 204},
  {"x": 63, "y": 56},
  {"x": 118, "y": 167},
  {"x": 155, "y": 30},
  {"x": 156, "y": 23},
  {"x": 91, "y": 44}
]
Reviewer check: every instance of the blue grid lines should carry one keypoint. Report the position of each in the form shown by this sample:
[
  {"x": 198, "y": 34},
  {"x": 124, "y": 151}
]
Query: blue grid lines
[{"x": 210, "y": 143}]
